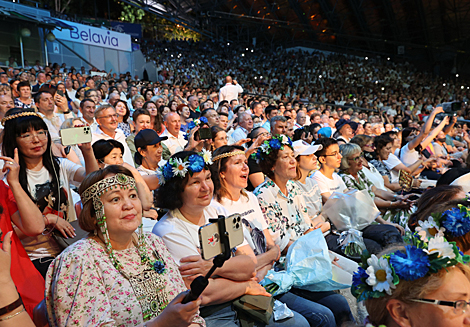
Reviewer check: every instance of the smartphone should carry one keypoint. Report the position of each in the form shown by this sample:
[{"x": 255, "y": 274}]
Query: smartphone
[
  {"x": 205, "y": 133},
  {"x": 60, "y": 92},
  {"x": 209, "y": 238},
  {"x": 76, "y": 135}
]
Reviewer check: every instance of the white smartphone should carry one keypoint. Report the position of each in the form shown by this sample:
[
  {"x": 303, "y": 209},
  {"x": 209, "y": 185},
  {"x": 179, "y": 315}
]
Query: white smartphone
[
  {"x": 76, "y": 135},
  {"x": 209, "y": 238}
]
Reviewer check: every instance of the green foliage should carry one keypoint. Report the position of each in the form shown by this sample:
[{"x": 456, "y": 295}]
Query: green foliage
[{"x": 131, "y": 14}]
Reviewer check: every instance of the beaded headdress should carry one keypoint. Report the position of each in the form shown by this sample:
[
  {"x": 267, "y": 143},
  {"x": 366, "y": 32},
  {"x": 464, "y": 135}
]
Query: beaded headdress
[
  {"x": 378, "y": 276},
  {"x": 94, "y": 192},
  {"x": 277, "y": 142},
  {"x": 228, "y": 154},
  {"x": 21, "y": 114},
  {"x": 194, "y": 163}
]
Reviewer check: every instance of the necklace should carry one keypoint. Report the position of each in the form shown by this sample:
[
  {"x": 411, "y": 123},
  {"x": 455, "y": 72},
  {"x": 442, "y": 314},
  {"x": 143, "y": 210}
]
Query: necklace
[{"x": 149, "y": 286}]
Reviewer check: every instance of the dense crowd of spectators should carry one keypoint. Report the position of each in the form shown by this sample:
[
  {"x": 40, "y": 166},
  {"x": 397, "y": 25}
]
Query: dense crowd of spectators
[{"x": 271, "y": 136}]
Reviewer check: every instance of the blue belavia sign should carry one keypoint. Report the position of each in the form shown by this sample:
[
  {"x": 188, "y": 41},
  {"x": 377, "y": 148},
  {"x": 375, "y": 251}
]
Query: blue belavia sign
[{"x": 95, "y": 36}]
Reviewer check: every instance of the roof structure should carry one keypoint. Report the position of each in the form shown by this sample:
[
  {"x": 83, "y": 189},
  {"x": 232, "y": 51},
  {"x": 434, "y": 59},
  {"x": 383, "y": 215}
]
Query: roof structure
[{"x": 423, "y": 28}]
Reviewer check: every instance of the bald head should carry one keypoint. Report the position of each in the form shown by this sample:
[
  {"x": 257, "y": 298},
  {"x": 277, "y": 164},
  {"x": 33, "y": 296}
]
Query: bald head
[
  {"x": 228, "y": 79},
  {"x": 172, "y": 123}
]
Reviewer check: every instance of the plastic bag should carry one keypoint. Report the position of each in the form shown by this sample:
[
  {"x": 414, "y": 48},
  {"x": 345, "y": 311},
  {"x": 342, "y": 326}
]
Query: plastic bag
[
  {"x": 352, "y": 243},
  {"x": 308, "y": 267},
  {"x": 281, "y": 311},
  {"x": 354, "y": 209}
]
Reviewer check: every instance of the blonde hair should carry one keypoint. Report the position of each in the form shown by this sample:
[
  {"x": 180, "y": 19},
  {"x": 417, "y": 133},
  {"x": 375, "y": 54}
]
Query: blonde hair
[{"x": 407, "y": 290}]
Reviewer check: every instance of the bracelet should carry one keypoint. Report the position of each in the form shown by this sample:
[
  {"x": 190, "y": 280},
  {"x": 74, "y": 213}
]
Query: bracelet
[
  {"x": 13, "y": 315},
  {"x": 11, "y": 306},
  {"x": 47, "y": 220}
]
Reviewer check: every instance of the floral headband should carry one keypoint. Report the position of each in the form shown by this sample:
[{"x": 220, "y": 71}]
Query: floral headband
[
  {"x": 453, "y": 222},
  {"x": 192, "y": 124},
  {"x": 194, "y": 163},
  {"x": 277, "y": 142},
  {"x": 378, "y": 276}
]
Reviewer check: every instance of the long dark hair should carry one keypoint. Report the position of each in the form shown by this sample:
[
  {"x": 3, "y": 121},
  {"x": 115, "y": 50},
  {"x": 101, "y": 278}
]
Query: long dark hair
[{"x": 17, "y": 126}]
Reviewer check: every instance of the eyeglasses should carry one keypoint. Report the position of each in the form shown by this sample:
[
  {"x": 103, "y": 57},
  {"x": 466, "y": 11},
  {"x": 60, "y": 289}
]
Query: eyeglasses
[
  {"x": 460, "y": 306},
  {"x": 29, "y": 137},
  {"x": 334, "y": 154},
  {"x": 356, "y": 159},
  {"x": 115, "y": 116},
  {"x": 370, "y": 146}
]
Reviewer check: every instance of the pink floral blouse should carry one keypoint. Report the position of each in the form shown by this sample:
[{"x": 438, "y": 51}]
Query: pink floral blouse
[{"x": 83, "y": 288}]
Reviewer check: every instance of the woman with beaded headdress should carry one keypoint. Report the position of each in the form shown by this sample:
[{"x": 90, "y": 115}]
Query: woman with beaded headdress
[
  {"x": 116, "y": 276},
  {"x": 45, "y": 179},
  {"x": 230, "y": 176},
  {"x": 425, "y": 283},
  {"x": 187, "y": 191}
]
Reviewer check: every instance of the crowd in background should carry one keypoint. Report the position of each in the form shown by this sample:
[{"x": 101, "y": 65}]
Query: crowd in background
[{"x": 224, "y": 130}]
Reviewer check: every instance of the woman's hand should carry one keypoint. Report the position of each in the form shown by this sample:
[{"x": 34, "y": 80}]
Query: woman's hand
[
  {"x": 194, "y": 265},
  {"x": 13, "y": 168},
  {"x": 62, "y": 226},
  {"x": 397, "y": 226},
  {"x": 178, "y": 314},
  {"x": 416, "y": 183},
  {"x": 261, "y": 272},
  {"x": 5, "y": 259},
  {"x": 254, "y": 288}
]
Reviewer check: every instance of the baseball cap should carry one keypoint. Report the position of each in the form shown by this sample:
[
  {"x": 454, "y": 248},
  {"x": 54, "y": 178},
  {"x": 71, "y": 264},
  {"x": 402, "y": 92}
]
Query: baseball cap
[
  {"x": 147, "y": 137},
  {"x": 143, "y": 138},
  {"x": 325, "y": 132},
  {"x": 302, "y": 148}
]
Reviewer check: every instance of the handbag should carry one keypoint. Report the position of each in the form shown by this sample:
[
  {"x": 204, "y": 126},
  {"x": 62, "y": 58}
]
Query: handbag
[
  {"x": 65, "y": 242},
  {"x": 254, "y": 307}
]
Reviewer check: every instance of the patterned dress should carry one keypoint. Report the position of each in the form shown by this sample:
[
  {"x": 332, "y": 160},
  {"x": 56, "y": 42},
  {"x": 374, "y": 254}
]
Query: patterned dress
[
  {"x": 83, "y": 288},
  {"x": 286, "y": 216}
]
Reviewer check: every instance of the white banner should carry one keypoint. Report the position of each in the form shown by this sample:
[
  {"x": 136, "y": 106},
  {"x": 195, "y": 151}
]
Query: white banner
[{"x": 94, "y": 36}]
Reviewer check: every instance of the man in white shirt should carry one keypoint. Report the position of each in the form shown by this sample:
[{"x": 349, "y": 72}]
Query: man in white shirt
[
  {"x": 245, "y": 125},
  {"x": 301, "y": 119},
  {"x": 330, "y": 159},
  {"x": 106, "y": 117},
  {"x": 231, "y": 90},
  {"x": 87, "y": 109},
  {"x": 175, "y": 142}
]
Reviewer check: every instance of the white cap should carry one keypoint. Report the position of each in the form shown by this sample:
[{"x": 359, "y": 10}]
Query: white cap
[{"x": 302, "y": 148}]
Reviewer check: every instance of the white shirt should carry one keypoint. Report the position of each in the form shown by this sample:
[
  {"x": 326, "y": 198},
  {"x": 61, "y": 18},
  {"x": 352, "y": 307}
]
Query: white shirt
[
  {"x": 239, "y": 134},
  {"x": 250, "y": 213},
  {"x": 407, "y": 156},
  {"x": 312, "y": 196},
  {"x": 391, "y": 163},
  {"x": 181, "y": 236},
  {"x": 174, "y": 144},
  {"x": 230, "y": 92},
  {"x": 328, "y": 185},
  {"x": 118, "y": 136}
]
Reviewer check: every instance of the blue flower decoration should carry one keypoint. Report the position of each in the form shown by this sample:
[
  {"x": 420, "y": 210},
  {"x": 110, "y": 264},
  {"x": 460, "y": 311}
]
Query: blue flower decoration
[
  {"x": 186, "y": 136},
  {"x": 191, "y": 125},
  {"x": 159, "y": 267},
  {"x": 167, "y": 171},
  {"x": 456, "y": 222},
  {"x": 411, "y": 265},
  {"x": 359, "y": 276},
  {"x": 203, "y": 120},
  {"x": 275, "y": 144},
  {"x": 196, "y": 163}
]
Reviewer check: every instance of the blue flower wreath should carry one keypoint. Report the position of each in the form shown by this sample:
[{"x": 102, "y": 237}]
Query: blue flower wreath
[
  {"x": 196, "y": 163},
  {"x": 411, "y": 265},
  {"x": 277, "y": 142},
  {"x": 192, "y": 124},
  {"x": 456, "y": 222}
]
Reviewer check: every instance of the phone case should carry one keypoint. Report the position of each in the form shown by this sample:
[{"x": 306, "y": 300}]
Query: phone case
[
  {"x": 76, "y": 135},
  {"x": 209, "y": 239}
]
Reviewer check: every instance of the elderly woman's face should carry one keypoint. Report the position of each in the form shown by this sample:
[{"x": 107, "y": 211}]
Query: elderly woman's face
[
  {"x": 455, "y": 286},
  {"x": 285, "y": 166},
  {"x": 198, "y": 190},
  {"x": 355, "y": 162},
  {"x": 123, "y": 210}
]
